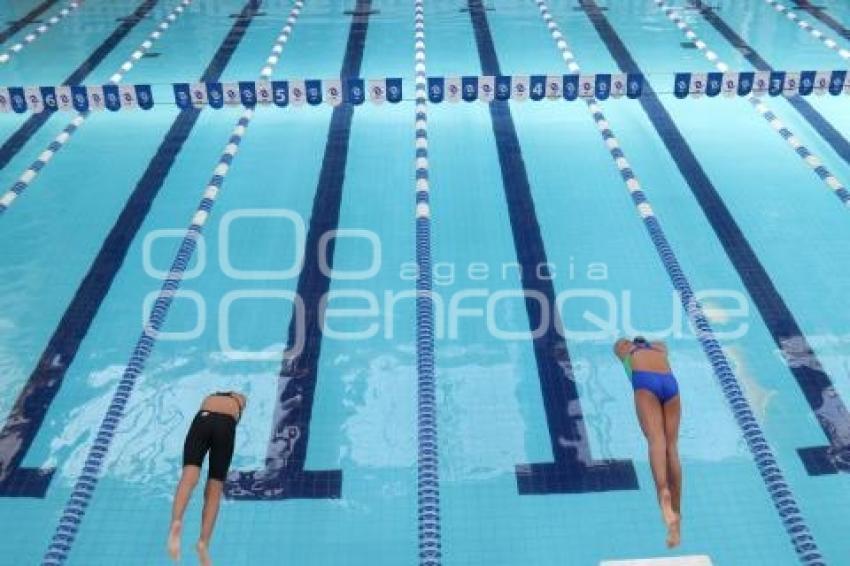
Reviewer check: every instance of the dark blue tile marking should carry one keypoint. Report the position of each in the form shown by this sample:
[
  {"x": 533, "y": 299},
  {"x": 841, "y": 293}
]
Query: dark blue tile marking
[
  {"x": 802, "y": 361},
  {"x": 22, "y": 135},
  {"x": 284, "y": 476},
  {"x": 821, "y": 125},
  {"x": 818, "y": 12},
  {"x": 31, "y": 406},
  {"x": 30, "y": 18},
  {"x": 574, "y": 469}
]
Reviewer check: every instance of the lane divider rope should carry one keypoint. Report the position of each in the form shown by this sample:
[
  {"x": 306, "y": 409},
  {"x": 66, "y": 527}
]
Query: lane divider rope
[
  {"x": 813, "y": 31},
  {"x": 771, "y": 473},
  {"x": 84, "y": 487},
  {"x": 27, "y": 177},
  {"x": 29, "y": 38},
  {"x": 428, "y": 480},
  {"x": 808, "y": 157}
]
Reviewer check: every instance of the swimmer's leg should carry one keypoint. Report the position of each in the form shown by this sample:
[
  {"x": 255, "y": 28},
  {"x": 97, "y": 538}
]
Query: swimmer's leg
[
  {"x": 212, "y": 501},
  {"x": 188, "y": 481},
  {"x": 672, "y": 416},
  {"x": 651, "y": 416}
]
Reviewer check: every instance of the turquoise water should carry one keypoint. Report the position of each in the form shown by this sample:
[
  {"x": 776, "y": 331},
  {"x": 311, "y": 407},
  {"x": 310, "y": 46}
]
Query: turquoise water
[{"x": 490, "y": 408}]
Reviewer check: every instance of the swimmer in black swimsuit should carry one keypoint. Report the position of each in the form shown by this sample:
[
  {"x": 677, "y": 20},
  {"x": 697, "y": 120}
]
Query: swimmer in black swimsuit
[{"x": 213, "y": 430}]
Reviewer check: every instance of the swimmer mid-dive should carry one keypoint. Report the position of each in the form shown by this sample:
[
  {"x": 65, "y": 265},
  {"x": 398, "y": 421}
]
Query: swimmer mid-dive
[
  {"x": 659, "y": 410},
  {"x": 213, "y": 430}
]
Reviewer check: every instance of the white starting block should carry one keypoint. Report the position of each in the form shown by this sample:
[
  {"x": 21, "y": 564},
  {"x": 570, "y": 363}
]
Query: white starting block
[{"x": 700, "y": 560}]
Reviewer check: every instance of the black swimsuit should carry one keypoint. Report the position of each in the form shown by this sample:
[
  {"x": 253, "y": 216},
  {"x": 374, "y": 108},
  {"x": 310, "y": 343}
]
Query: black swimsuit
[{"x": 214, "y": 433}]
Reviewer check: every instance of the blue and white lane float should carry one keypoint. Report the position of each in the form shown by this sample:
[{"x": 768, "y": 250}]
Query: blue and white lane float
[
  {"x": 809, "y": 27},
  {"x": 428, "y": 478},
  {"x": 772, "y": 475},
  {"x": 7, "y": 55},
  {"x": 27, "y": 177},
  {"x": 809, "y": 158},
  {"x": 84, "y": 487}
]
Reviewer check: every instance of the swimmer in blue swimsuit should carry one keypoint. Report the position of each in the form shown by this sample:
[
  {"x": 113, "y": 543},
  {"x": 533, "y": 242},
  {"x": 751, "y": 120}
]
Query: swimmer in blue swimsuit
[{"x": 659, "y": 410}]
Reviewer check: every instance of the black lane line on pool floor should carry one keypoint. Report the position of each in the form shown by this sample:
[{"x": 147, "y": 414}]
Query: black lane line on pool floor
[
  {"x": 28, "y": 19},
  {"x": 819, "y": 13},
  {"x": 821, "y": 125},
  {"x": 30, "y": 408},
  {"x": 15, "y": 143},
  {"x": 574, "y": 470},
  {"x": 802, "y": 361},
  {"x": 284, "y": 476}
]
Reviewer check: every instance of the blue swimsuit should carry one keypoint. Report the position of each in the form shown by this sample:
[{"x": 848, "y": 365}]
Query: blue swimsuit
[{"x": 662, "y": 385}]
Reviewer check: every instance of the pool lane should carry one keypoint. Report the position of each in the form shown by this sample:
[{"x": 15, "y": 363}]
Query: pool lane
[
  {"x": 19, "y": 16},
  {"x": 787, "y": 421}
]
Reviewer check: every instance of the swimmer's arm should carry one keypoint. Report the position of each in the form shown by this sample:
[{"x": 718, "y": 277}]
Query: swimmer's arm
[
  {"x": 660, "y": 346},
  {"x": 242, "y": 400},
  {"x": 621, "y": 348}
]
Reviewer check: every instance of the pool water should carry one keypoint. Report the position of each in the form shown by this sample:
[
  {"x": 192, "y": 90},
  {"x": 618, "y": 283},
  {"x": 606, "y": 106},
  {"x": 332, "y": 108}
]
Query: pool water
[{"x": 535, "y": 454}]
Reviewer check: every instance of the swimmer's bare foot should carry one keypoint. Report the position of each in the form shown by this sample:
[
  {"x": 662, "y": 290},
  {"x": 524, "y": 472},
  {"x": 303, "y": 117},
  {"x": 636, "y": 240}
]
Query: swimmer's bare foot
[
  {"x": 174, "y": 540},
  {"x": 674, "y": 533},
  {"x": 203, "y": 553}
]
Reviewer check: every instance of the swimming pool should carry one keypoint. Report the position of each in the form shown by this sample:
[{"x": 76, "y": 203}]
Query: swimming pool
[{"x": 397, "y": 429}]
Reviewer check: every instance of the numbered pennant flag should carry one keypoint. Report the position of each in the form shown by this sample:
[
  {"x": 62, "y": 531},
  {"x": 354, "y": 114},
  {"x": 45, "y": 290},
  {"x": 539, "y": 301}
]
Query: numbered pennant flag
[
  {"x": 807, "y": 82},
  {"x": 486, "y": 89},
  {"x": 377, "y": 91},
  {"x": 264, "y": 92},
  {"x": 144, "y": 96},
  {"x": 128, "y": 96},
  {"x": 182, "y": 96},
  {"x": 745, "y": 83},
  {"x": 18, "y": 99},
  {"x": 777, "y": 83},
  {"x": 34, "y": 102},
  {"x": 231, "y": 93},
  {"x": 394, "y": 90},
  {"x": 215, "y": 95},
  {"x": 537, "y": 87},
  {"x": 64, "y": 98},
  {"x": 314, "y": 92},
  {"x": 836, "y": 82},
  {"x": 80, "y": 98},
  {"x": 5, "y": 104},
  {"x": 697, "y": 86},
  {"x": 356, "y": 91},
  {"x": 713, "y": 84},
  {"x": 635, "y": 88},
  {"x": 503, "y": 88},
  {"x": 519, "y": 87},
  {"x": 682, "y": 85},
  {"x": 111, "y": 99},
  {"x": 586, "y": 86},
  {"x": 761, "y": 82},
  {"x": 571, "y": 87},
  {"x": 332, "y": 93},
  {"x": 48, "y": 95},
  {"x": 280, "y": 92},
  {"x": 297, "y": 93},
  {"x": 248, "y": 93},
  {"x": 453, "y": 89},
  {"x": 730, "y": 84},
  {"x": 618, "y": 85},
  {"x": 554, "y": 87},
  {"x": 436, "y": 89},
  {"x": 603, "y": 86},
  {"x": 470, "y": 88}
]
